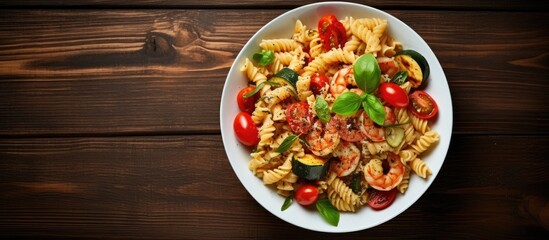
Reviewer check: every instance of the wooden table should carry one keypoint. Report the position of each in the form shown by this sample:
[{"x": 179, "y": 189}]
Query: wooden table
[{"x": 109, "y": 121}]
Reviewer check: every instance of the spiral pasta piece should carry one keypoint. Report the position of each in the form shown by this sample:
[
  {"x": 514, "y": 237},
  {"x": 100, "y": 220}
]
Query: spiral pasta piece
[
  {"x": 266, "y": 132},
  {"x": 287, "y": 184},
  {"x": 407, "y": 155},
  {"x": 420, "y": 168},
  {"x": 260, "y": 112},
  {"x": 278, "y": 95},
  {"x": 403, "y": 186},
  {"x": 253, "y": 73},
  {"x": 352, "y": 44},
  {"x": 315, "y": 47},
  {"x": 421, "y": 125},
  {"x": 425, "y": 141},
  {"x": 284, "y": 57},
  {"x": 275, "y": 175},
  {"x": 257, "y": 161},
  {"x": 279, "y": 45},
  {"x": 300, "y": 32},
  {"x": 344, "y": 192},
  {"x": 403, "y": 118}
]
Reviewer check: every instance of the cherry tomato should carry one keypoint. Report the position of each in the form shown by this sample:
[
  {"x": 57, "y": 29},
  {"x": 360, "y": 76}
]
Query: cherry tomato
[
  {"x": 306, "y": 194},
  {"x": 332, "y": 32},
  {"x": 246, "y": 104},
  {"x": 245, "y": 129},
  {"x": 422, "y": 105},
  {"x": 325, "y": 22},
  {"x": 393, "y": 94},
  {"x": 318, "y": 82},
  {"x": 379, "y": 200},
  {"x": 299, "y": 117}
]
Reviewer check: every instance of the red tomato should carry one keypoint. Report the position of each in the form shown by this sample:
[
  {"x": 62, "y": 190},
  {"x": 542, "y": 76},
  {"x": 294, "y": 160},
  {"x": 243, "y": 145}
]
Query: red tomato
[
  {"x": 245, "y": 129},
  {"x": 318, "y": 82},
  {"x": 325, "y": 22},
  {"x": 332, "y": 32},
  {"x": 299, "y": 117},
  {"x": 379, "y": 200},
  {"x": 306, "y": 194},
  {"x": 422, "y": 105},
  {"x": 246, "y": 104},
  {"x": 393, "y": 94}
]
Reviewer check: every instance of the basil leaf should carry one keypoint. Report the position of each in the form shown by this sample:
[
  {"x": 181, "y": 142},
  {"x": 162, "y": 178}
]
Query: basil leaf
[
  {"x": 287, "y": 203},
  {"x": 259, "y": 86},
  {"x": 264, "y": 57},
  {"x": 374, "y": 108},
  {"x": 304, "y": 142},
  {"x": 328, "y": 211},
  {"x": 347, "y": 104},
  {"x": 286, "y": 144},
  {"x": 367, "y": 73},
  {"x": 400, "y": 77},
  {"x": 322, "y": 110}
]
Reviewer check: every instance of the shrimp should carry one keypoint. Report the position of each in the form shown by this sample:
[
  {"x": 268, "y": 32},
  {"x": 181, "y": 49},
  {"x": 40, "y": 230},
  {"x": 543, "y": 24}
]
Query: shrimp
[
  {"x": 341, "y": 80},
  {"x": 371, "y": 130},
  {"x": 349, "y": 128},
  {"x": 348, "y": 156},
  {"x": 381, "y": 179},
  {"x": 323, "y": 139},
  {"x": 388, "y": 66}
]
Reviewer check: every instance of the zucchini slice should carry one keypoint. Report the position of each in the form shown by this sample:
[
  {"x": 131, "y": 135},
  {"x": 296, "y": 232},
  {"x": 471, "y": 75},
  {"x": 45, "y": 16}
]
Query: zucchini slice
[
  {"x": 286, "y": 76},
  {"x": 407, "y": 63},
  {"x": 421, "y": 61},
  {"x": 310, "y": 167}
]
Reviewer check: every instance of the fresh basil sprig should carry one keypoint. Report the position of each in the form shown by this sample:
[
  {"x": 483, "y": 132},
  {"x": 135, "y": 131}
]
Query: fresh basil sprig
[
  {"x": 287, "y": 202},
  {"x": 347, "y": 104},
  {"x": 259, "y": 86},
  {"x": 328, "y": 211},
  {"x": 367, "y": 73},
  {"x": 322, "y": 110},
  {"x": 286, "y": 144},
  {"x": 264, "y": 57},
  {"x": 400, "y": 77}
]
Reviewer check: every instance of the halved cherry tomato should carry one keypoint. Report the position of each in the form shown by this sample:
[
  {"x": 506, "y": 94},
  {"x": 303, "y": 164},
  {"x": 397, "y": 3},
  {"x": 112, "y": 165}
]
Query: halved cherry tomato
[
  {"x": 306, "y": 194},
  {"x": 332, "y": 32},
  {"x": 245, "y": 129},
  {"x": 318, "y": 82},
  {"x": 379, "y": 200},
  {"x": 422, "y": 105},
  {"x": 325, "y": 22},
  {"x": 393, "y": 95},
  {"x": 299, "y": 117},
  {"x": 246, "y": 104}
]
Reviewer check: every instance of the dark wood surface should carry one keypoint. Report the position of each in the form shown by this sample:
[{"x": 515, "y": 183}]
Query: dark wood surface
[{"x": 109, "y": 121}]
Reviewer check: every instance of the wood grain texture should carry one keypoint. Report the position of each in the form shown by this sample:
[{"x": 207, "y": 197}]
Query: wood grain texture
[
  {"x": 515, "y": 5},
  {"x": 74, "y": 72},
  {"x": 183, "y": 187}
]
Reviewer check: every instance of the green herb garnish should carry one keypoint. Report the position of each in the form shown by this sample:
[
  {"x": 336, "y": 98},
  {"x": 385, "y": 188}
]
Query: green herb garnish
[
  {"x": 328, "y": 211},
  {"x": 287, "y": 202},
  {"x": 264, "y": 57},
  {"x": 286, "y": 144},
  {"x": 322, "y": 110}
]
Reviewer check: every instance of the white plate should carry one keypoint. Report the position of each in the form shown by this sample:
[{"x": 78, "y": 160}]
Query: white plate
[{"x": 239, "y": 156}]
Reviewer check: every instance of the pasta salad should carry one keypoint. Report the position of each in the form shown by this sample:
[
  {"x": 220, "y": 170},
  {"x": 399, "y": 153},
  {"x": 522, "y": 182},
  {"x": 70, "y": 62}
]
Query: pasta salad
[{"x": 335, "y": 115}]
